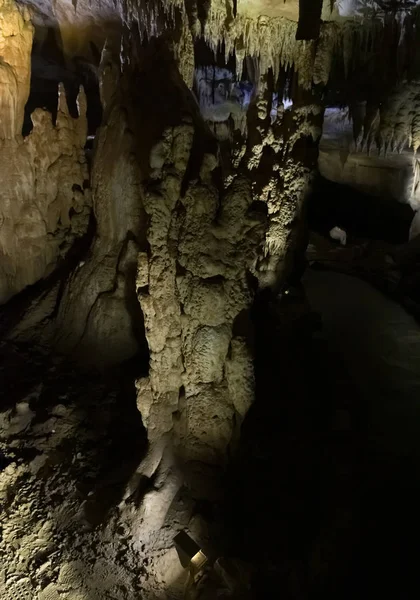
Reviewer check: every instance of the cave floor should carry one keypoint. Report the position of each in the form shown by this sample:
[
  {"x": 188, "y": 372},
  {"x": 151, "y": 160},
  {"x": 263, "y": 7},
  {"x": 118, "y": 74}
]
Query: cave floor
[{"x": 69, "y": 442}]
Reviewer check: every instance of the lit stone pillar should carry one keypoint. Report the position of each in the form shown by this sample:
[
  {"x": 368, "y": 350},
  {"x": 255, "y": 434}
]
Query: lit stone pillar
[
  {"x": 204, "y": 241},
  {"x": 280, "y": 159},
  {"x": 192, "y": 286},
  {"x": 16, "y": 33}
]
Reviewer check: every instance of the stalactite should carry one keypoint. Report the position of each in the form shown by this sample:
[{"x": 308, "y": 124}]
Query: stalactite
[{"x": 272, "y": 41}]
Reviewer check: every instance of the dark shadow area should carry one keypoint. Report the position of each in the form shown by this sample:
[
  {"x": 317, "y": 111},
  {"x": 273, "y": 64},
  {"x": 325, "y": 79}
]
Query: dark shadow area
[
  {"x": 377, "y": 249},
  {"x": 133, "y": 307},
  {"x": 323, "y": 496},
  {"x": 360, "y": 215},
  {"x": 284, "y": 474},
  {"x": 325, "y": 490},
  {"x": 49, "y": 68},
  {"x": 380, "y": 345},
  {"x": 111, "y": 432}
]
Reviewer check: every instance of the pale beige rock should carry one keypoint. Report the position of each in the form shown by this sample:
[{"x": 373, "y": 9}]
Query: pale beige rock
[
  {"x": 49, "y": 593},
  {"x": 44, "y": 205},
  {"x": 16, "y": 33},
  {"x": 203, "y": 301},
  {"x": 209, "y": 426},
  {"x": 94, "y": 320},
  {"x": 206, "y": 354}
]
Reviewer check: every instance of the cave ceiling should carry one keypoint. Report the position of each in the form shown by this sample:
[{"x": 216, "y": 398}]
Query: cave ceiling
[
  {"x": 82, "y": 26},
  {"x": 48, "y": 12},
  {"x": 81, "y": 23},
  {"x": 365, "y": 48}
]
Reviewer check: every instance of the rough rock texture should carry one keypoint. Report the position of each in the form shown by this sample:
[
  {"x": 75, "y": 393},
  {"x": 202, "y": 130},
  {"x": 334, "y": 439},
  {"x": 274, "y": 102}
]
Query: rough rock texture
[
  {"x": 280, "y": 162},
  {"x": 207, "y": 241},
  {"x": 16, "y": 34},
  {"x": 186, "y": 230},
  {"x": 68, "y": 441},
  {"x": 44, "y": 202},
  {"x": 215, "y": 227},
  {"x": 192, "y": 285},
  {"x": 93, "y": 313}
]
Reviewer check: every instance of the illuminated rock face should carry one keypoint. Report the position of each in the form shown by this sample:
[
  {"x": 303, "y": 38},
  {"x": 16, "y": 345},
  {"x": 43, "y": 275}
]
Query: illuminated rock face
[
  {"x": 16, "y": 33},
  {"x": 92, "y": 313},
  {"x": 44, "y": 205}
]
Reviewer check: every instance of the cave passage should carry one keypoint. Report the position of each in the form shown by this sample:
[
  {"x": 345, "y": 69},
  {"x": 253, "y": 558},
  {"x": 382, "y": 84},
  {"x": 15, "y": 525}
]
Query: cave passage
[{"x": 379, "y": 344}]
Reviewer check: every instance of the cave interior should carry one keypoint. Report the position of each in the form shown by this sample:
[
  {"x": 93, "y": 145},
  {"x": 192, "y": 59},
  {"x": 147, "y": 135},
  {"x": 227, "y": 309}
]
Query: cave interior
[{"x": 209, "y": 299}]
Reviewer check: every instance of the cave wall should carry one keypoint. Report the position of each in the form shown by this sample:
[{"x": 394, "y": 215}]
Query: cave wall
[
  {"x": 167, "y": 203},
  {"x": 44, "y": 203},
  {"x": 92, "y": 312},
  {"x": 107, "y": 323},
  {"x": 343, "y": 160},
  {"x": 16, "y": 33}
]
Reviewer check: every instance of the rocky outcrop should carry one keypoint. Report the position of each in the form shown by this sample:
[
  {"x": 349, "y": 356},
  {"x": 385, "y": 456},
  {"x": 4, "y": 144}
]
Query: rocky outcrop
[
  {"x": 44, "y": 203},
  {"x": 93, "y": 313},
  {"x": 105, "y": 324},
  {"x": 16, "y": 34},
  {"x": 192, "y": 286},
  {"x": 207, "y": 238}
]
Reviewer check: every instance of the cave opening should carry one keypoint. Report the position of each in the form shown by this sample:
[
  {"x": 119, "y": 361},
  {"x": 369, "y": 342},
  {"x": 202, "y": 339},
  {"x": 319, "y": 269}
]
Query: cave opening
[{"x": 209, "y": 299}]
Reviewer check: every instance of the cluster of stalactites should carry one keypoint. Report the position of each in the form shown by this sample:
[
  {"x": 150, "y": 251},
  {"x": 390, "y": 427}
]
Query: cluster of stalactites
[
  {"x": 393, "y": 126},
  {"x": 272, "y": 41},
  {"x": 353, "y": 47}
]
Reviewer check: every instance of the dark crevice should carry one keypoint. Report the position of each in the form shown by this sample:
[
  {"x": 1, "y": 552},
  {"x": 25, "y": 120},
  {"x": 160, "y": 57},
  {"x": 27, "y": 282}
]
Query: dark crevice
[{"x": 130, "y": 297}]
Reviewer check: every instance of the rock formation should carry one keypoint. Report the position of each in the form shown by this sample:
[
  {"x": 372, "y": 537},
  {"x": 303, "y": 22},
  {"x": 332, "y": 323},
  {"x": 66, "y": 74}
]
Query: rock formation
[
  {"x": 155, "y": 241},
  {"x": 45, "y": 204}
]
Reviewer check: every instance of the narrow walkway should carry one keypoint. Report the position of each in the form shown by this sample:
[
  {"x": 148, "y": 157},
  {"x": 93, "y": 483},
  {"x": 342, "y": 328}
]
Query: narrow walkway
[{"x": 379, "y": 343}]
